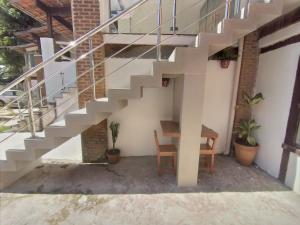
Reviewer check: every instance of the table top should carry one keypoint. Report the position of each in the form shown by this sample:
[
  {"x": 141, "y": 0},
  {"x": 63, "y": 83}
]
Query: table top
[{"x": 171, "y": 129}]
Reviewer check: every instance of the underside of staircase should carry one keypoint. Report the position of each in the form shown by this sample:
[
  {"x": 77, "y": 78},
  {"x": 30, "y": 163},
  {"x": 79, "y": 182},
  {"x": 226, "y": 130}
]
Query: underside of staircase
[{"x": 184, "y": 60}]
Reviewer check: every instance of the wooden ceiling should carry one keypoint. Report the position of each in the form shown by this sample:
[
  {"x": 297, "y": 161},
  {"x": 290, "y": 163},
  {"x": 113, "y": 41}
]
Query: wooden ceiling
[{"x": 54, "y": 13}]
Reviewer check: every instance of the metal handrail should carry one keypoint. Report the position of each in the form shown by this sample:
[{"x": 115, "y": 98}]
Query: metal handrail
[
  {"x": 83, "y": 56},
  {"x": 102, "y": 79},
  {"x": 54, "y": 74},
  {"x": 119, "y": 68},
  {"x": 74, "y": 61},
  {"x": 72, "y": 45}
]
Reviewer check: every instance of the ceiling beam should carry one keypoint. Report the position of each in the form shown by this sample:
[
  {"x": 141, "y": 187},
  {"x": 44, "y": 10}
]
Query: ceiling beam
[
  {"x": 56, "y": 12},
  {"x": 64, "y": 22}
]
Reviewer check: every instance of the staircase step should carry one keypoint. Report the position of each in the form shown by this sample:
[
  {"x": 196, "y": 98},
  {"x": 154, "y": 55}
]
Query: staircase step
[
  {"x": 125, "y": 93},
  {"x": 20, "y": 155},
  {"x": 145, "y": 81},
  {"x": 216, "y": 39},
  {"x": 166, "y": 68},
  {"x": 81, "y": 117},
  {"x": 65, "y": 131},
  {"x": 103, "y": 105},
  {"x": 6, "y": 165},
  {"x": 239, "y": 27},
  {"x": 11, "y": 166},
  {"x": 261, "y": 9},
  {"x": 44, "y": 143}
]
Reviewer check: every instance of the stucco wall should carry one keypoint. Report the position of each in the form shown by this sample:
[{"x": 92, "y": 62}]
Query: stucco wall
[
  {"x": 276, "y": 77},
  {"x": 142, "y": 116},
  {"x": 218, "y": 93}
]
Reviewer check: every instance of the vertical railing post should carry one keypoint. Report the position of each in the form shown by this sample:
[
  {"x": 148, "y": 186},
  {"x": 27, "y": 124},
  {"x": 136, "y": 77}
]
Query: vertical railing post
[
  {"x": 238, "y": 8},
  {"x": 227, "y": 9},
  {"x": 159, "y": 21},
  {"x": 174, "y": 28},
  {"x": 247, "y": 8},
  {"x": 62, "y": 80},
  {"x": 92, "y": 65},
  {"x": 30, "y": 108},
  {"x": 41, "y": 96}
]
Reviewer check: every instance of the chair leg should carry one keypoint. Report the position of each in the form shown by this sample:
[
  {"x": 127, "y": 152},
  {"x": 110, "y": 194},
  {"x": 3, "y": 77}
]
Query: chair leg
[
  {"x": 212, "y": 164},
  {"x": 174, "y": 164},
  {"x": 158, "y": 165}
]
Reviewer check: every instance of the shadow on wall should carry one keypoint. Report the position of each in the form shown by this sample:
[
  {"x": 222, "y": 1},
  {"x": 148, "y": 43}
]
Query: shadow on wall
[{"x": 137, "y": 175}]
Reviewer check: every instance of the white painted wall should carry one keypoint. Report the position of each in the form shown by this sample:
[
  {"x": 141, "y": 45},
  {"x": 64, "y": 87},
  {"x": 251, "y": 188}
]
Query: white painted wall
[
  {"x": 62, "y": 73},
  {"x": 218, "y": 93},
  {"x": 142, "y": 116},
  {"x": 121, "y": 78},
  {"x": 139, "y": 119},
  {"x": 275, "y": 79}
]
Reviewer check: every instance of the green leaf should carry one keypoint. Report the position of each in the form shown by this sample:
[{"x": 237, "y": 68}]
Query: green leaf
[{"x": 251, "y": 141}]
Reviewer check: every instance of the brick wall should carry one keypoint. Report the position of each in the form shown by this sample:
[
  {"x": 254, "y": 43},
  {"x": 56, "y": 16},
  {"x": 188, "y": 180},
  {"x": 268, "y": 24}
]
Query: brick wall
[
  {"x": 86, "y": 16},
  {"x": 248, "y": 74}
]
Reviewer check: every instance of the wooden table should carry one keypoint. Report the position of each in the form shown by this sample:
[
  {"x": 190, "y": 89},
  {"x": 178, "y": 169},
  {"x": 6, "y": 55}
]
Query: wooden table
[{"x": 171, "y": 129}]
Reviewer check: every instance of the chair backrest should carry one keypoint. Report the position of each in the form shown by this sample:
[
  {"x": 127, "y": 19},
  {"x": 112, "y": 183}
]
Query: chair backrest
[
  {"x": 156, "y": 140},
  {"x": 212, "y": 144}
]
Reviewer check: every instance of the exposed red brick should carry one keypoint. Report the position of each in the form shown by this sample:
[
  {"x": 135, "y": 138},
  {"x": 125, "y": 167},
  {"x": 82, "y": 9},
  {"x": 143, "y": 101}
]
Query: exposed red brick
[
  {"x": 248, "y": 74},
  {"x": 94, "y": 139}
]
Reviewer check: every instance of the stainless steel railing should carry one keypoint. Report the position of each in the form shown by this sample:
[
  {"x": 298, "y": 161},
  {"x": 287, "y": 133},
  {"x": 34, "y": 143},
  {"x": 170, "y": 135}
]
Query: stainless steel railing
[
  {"x": 157, "y": 46},
  {"x": 74, "y": 99}
]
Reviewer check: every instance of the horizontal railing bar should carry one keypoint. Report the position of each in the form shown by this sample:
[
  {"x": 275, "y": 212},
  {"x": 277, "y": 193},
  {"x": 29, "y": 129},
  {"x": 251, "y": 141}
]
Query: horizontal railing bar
[
  {"x": 89, "y": 52},
  {"x": 119, "y": 68},
  {"x": 64, "y": 67},
  {"x": 72, "y": 45}
]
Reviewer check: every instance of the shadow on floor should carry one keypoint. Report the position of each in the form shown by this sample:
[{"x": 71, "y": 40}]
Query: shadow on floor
[{"x": 137, "y": 175}]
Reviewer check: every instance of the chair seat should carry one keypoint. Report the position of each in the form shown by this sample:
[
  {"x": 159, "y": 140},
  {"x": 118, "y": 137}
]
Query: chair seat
[
  {"x": 205, "y": 147},
  {"x": 167, "y": 148}
]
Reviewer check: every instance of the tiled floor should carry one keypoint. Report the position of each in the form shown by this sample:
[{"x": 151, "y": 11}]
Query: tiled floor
[{"x": 132, "y": 193}]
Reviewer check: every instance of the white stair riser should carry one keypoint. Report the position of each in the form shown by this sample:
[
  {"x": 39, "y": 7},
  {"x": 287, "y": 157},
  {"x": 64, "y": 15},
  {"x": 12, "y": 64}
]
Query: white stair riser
[
  {"x": 67, "y": 132},
  {"x": 44, "y": 143},
  {"x": 123, "y": 94},
  {"x": 20, "y": 155}
]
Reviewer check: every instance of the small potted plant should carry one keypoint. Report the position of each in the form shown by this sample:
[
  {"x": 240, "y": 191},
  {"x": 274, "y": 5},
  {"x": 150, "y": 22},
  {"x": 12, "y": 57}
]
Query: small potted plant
[
  {"x": 225, "y": 56},
  {"x": 113, "y": 155},
  {"x": 245, "y": 145}
]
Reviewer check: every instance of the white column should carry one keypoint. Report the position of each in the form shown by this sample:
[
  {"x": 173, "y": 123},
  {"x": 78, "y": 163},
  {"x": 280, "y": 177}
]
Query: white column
[{"x": 190, "y": 125}]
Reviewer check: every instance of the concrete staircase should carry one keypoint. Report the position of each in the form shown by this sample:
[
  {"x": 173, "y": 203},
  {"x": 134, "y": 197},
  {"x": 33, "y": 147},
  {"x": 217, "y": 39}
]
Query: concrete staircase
[{"x": 184, "y": 60}]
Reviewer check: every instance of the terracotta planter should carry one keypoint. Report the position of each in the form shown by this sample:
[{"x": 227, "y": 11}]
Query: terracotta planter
[
  {"x": 113, "y": 156},
  {"x": 224, "y": 63},
  {"x": 245, "y": 155}
]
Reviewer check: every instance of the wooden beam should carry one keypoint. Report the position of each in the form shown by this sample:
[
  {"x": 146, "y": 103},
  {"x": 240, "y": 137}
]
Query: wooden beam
[
  {"x": 280, "y": 44},
  {"x": 49, "y": 25},
  {"x": 280, "y": 23},
  {"x": 56, "y": 13},
  {"x": 42, "y": 6},
  {"x": 60, "y": 11},
  {"x": 64, "y": 22}
]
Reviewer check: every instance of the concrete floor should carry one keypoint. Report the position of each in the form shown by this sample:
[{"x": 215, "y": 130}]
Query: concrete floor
[{"x": 131, "y": 193}]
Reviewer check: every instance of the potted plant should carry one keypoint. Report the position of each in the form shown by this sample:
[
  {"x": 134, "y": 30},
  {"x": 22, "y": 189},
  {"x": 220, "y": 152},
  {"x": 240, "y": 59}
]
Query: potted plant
[
  {"x": 245, "y": 145},
  {"x": 225, "y": 56},
  {"x": 113, "y": 155}
]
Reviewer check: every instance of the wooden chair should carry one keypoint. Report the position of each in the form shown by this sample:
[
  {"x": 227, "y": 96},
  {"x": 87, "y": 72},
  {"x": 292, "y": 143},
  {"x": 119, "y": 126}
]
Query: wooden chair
[
  {"x": 208, "y": 150},
  {"x": 165, "y": 151}
]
